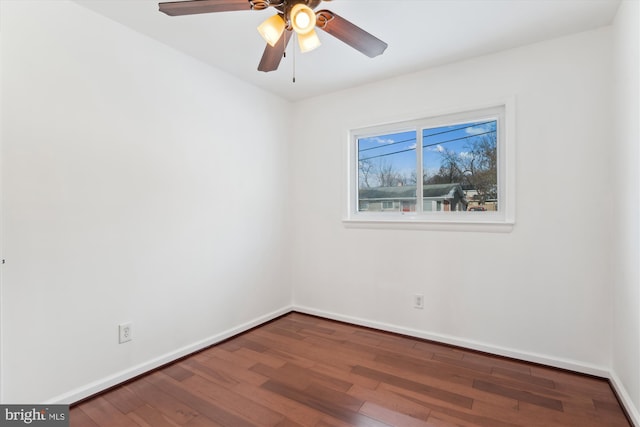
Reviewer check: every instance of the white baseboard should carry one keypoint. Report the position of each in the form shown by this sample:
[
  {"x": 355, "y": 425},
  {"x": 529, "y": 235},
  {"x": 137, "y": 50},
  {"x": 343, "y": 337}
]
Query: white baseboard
[
  {"x": 120, "y": 377},
  {"x": 570, "y": 365},
  {"x": 632, "y": 410}
]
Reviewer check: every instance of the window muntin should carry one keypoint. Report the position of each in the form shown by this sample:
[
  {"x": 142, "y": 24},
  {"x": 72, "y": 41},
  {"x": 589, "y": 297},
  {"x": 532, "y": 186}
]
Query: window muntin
[{"x": 464, "y": 164}]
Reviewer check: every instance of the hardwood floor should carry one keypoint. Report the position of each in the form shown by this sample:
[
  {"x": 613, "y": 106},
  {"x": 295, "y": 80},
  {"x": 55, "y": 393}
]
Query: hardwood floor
[{"x": 301, "y": 370}]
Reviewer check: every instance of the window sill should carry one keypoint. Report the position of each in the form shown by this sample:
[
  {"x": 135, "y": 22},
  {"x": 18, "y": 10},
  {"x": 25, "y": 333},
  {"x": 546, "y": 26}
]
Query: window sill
[{"x": 464, "y": 222}]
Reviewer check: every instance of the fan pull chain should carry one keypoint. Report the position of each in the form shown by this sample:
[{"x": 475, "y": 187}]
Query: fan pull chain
[
  {"x": 284, "y": 44},
  {"x": 293, "y": 47}
]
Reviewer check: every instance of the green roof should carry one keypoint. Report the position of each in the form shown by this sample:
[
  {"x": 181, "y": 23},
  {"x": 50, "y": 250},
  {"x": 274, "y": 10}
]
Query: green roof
[{"x": 409, "y": 191}]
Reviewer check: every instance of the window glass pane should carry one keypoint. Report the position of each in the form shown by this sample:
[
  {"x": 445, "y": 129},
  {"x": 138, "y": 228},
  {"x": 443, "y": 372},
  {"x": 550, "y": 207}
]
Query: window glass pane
[
  {"x": 387, "y": 172},
  {"x": 460, "y": 167}
]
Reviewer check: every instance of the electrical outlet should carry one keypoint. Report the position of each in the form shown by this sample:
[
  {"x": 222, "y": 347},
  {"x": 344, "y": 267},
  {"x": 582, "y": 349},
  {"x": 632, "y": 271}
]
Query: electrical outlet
[
  {"x": 418, "y": 301},
  {"x": 126, "y": 333}
]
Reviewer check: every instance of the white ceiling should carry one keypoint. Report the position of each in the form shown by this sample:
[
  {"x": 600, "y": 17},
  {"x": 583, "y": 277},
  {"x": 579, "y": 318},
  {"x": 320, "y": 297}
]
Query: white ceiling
[{"x": 420, "y": 34}]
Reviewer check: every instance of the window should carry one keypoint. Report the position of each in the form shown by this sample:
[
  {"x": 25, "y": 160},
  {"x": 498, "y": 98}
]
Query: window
[{"x": 454, "y": 168}]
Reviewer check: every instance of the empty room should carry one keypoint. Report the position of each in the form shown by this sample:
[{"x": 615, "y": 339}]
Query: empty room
[{"x": 320, "y": 213}]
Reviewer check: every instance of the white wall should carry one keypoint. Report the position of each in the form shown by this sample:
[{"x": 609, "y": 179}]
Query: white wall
[
  {"x": 540, "y": 292},
  {"x": 626, "y": 251},
  {"x": 138, "y": 186}
]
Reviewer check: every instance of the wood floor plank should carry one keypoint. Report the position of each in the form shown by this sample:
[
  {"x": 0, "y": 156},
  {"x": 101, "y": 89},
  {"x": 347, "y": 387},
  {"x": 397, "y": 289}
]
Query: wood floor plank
[
  {"x": 285, "y": 333},
  {"x": 203, "y": 406},
  {"x": 318, "y": 328},
  {"x": 163, "y": 402},
  {"x": 305, "y": 371},
  {"x": 339, "y": 384},
  {"x": 104, "y": 414},
  {"x": 215, "y": 372},
  {"x": 237, "y": 358},
  {"x": 523, "y": 377},
  {"x": 283, "y": 354},
  {"x": 389, "y": 416},
  {"x": 177, "y": 371},
  {"x": 264, "y": 357},
  {"x": 347, "y": 376},
  {"x": 298, "y": 382},
  {"x": 124, "y": 399},
  {"x": 342, "y": 351},
  {"x": 332, "y": 422},
  {"x": 462, "y": 363},
  {"x": 520, "y": 395},
  {"x": 440, "y": 419},
  {"x": 233, "y": 402},
  {"x": 147, "y": 416},
  {"x": 497, "y": 417},
  {"x": 543, "y": 417},
  {"x": 79, "y": 418},
  {"x": 459, "y": 382},
  {"x": 307, "y": 350},
  {"x": 386, "y": 340},
  {"x": 518, "y": 384},
  {"x": 497, "y": 362},
  {"x": 426, "y": 368},
  {"x": 297, "y": 413},
  {"x": 496, "y": 402},
  {"x": 235, "y": 374},
  {"x": 392, "y": 401},
  {"x": 440, "y": 350},
  {"x": 404, "y": 383},
  {"x": 202, "y": 421},
  {"x": 343, "y": 412}
]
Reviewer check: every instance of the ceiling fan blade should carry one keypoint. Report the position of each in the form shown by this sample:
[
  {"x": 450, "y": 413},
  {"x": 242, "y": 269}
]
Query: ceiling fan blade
[
  {"x": 314, "y": 3},
  {"x": 350, "y": 33},
  {"x": 273, "y": 54},
  {"x": 192, "y": 7}
]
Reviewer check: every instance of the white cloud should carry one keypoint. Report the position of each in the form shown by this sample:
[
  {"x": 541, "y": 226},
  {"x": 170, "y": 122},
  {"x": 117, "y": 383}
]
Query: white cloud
[
  {"x": 379, "y": 140},
  {"x": 436, "y": 148},
  {"x": 476, "y": 130}
]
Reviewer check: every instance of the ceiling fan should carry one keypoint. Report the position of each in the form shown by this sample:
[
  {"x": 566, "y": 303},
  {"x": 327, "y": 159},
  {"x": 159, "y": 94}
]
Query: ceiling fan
[{"x": 292, "y": 16}]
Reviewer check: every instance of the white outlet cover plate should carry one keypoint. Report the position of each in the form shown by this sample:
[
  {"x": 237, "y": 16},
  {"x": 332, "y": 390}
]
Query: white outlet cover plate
[{"x": 125, "y": 332}]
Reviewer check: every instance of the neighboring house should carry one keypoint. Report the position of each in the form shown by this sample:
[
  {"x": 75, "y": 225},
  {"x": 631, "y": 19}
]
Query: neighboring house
[
  {"x": 435, "y": 197},
  {"x": 475, "y": 201}
]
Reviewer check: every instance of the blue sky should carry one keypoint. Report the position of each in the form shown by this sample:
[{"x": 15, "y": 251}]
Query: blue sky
[{"x": 399, "y": 148}]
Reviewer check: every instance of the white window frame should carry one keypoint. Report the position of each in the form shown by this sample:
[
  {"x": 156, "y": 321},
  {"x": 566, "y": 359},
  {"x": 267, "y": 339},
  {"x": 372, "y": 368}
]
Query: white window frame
[{"x": 499, "y": 221}]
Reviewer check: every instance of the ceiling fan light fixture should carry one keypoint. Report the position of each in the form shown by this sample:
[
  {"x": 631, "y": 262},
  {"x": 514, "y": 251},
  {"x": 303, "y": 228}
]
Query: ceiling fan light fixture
[
  {"x": 308, "y": 41},
  {"x": 293, "y": 18},
  {"x": 271, "y": 29},
  {"x": 303, "y": 18}
]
